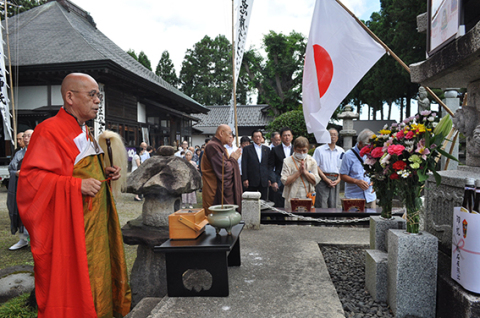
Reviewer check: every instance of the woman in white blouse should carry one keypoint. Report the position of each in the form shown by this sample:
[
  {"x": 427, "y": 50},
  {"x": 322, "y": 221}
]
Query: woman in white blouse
[{"x": 299, "y": 172}]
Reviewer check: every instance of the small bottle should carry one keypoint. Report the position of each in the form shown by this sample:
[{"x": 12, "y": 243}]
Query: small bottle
[
  {"x": 469, "y": 195},
  {"x": 476, "y": 206}
]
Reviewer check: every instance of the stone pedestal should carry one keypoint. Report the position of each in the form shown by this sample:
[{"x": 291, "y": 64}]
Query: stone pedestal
[
  {"x": 148, "y": 277},
  {"x": 251, "y": 210},
  {"x": 376, "y": 274},
  {"x": 379, "y": 228},
  {"x": 412, "y": 274}
]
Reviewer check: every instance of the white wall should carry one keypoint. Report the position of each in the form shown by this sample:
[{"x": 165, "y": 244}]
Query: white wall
[
  {"x": 30, "y": 97},
  {"x": 141, "y": 113}
]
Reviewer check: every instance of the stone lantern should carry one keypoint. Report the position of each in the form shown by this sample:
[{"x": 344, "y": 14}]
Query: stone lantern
[
  {"x": 348, "y": 115},
  {"x": 161, "y": 179}
]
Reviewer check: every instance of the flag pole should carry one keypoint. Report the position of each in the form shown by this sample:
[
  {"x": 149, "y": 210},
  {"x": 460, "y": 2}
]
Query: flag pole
[
  {"x": 234, "y": 89},
  {"x": 399, "y": 60}
]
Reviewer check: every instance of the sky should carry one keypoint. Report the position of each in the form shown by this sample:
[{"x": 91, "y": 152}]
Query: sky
[{"x": 154, "y": 26}]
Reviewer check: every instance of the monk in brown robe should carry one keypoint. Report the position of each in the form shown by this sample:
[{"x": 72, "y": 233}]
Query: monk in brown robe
[{"x": 214, "y": 157}]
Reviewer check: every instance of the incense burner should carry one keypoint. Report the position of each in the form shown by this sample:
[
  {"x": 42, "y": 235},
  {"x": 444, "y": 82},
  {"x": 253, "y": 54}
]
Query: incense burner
[{"x": 224, "y": 217}]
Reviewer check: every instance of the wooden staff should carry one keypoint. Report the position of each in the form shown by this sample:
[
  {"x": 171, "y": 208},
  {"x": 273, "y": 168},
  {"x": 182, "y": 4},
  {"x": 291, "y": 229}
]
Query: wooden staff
[
  {"x": 390, "y": 52},
  {"x": 109, "y": 147},
  {"x": 223, "y": 173}
]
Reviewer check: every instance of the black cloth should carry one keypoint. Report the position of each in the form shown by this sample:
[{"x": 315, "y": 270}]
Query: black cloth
[
  {"x": 255, "y": 172},
  {"x": 275, "y": 165}
]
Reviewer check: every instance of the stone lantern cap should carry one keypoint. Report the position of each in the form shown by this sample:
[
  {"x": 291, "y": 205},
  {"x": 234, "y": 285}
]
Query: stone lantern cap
[{"x": 164, "y": 174}]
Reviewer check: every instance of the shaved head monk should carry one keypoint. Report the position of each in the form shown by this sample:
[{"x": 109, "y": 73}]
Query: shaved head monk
[
  {"x": 66, "y": 204},
  {"x": 214, "y": 157}
]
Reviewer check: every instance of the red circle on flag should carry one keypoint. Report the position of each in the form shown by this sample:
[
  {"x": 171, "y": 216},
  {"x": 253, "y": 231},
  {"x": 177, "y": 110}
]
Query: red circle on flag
[{"x": 324, "y": 68}]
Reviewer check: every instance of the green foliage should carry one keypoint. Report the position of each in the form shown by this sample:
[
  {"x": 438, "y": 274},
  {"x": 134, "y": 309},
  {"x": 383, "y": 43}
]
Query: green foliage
[
  {"x": 143, "y": 59},
  {"x": 166, "y": 70},
  {"x": 206, "y": 73},
  {"x": 16, "y": 308},
  {"x": 132, "y": 54},
  {"x": 21, "y": 6},
  {"x": 387, "y": 81},
  {"x": 295, "y": 121},
  {"x": 278, "y": 78}
]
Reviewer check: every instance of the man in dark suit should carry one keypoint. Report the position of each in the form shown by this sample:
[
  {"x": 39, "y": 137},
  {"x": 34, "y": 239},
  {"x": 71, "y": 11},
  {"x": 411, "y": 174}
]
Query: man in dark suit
[
  {"x": 275, "y": 164},
  {"x": 255, "y": 172}
]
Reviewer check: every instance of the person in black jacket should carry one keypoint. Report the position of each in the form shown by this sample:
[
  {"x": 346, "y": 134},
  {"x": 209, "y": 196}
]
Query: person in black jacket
[
  {"x": 275, "y": 164},
  {"x": 255, "y": 172}
]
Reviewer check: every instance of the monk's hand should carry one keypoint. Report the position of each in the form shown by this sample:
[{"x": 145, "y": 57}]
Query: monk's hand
[
  {"x": 113, "y": 172},
  {"x": 236, "y": 154},
  {"x": 90, "y": 187}
]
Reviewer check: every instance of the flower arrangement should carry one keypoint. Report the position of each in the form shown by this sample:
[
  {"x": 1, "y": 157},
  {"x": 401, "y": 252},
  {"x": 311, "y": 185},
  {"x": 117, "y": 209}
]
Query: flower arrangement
[{"x": 400, "y": 157}]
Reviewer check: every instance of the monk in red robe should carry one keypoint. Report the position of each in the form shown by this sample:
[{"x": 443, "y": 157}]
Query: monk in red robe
[
  {"x": 68, "y": 209},
  {"x": 214, "y": 157}
]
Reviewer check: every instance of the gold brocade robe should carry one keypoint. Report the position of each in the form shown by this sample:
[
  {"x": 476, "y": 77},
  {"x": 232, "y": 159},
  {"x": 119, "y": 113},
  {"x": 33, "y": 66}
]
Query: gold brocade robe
[{"x": 103, "y": 238}]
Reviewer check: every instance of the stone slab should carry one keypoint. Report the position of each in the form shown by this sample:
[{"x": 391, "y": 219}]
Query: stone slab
[
  {"x": 15, "y": 281},
  {"x": 144, "y": 307},
  {"x": 376, "y": 274},
  {"x": 283, "y": 274},
  {"x": 379, "y": 228},
  {"x": 251, "y": 210},
  {"x": 135, "y": 232},
  {"x": 412, "y": 274},
  {"x": 453, "y": 299},
  {"x": 455, "y": 65}
]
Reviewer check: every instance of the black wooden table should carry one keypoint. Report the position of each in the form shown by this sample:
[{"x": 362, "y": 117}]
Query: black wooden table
[{"x": 209, "y": 251}]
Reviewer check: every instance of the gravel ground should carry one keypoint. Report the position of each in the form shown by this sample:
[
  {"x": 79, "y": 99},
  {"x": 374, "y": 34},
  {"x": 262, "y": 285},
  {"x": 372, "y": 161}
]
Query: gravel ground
[{"x": 346, "y": 266}]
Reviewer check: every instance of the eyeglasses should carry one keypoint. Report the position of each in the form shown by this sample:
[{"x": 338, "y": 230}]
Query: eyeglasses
[{"x": 92, "y": 94}]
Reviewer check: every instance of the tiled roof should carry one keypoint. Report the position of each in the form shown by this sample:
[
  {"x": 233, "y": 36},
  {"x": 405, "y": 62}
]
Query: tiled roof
[
  {"x": 53, "y": 34},
  {"x": 247, "y": 116}
]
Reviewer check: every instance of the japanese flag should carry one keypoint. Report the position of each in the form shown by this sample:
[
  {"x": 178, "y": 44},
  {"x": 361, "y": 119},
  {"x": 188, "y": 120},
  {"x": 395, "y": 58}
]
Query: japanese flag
[{"x": 339, "y": 53}]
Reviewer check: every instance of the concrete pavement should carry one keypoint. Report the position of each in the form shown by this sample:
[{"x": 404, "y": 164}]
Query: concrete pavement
[{"x": 283, "y": 274}]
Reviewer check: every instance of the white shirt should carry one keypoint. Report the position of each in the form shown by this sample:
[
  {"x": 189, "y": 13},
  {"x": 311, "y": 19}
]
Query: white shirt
[
  {"x": 327, "y": 159},
  {"x": 230, "y": 149},
  {"x": 258, "y": 149},
  {"x": 287, "y": 150}
]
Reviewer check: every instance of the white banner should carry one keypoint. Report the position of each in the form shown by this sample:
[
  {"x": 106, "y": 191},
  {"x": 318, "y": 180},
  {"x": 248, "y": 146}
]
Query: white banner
[
  {"x": 244, "y": 12},
  {"x": 99, "y": 124},
  {"x": 339, "y": 53},
  {"x": 4, "y": 100}
]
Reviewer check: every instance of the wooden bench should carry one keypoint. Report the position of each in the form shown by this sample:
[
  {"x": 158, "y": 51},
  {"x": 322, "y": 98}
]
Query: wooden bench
[{"x": 209, "y": 252}]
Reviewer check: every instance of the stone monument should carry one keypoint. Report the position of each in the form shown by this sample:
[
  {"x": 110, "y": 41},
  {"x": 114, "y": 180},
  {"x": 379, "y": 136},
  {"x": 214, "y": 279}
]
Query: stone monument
[
  {"x": 348, "y": 115},
  {"x": 161, "y": 179},
  {"x": 456, "y": 64}
]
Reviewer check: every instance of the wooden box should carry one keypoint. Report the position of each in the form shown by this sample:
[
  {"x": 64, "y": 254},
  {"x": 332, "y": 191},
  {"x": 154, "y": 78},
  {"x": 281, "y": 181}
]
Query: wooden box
[
  {"x": 187, "y": 224},
  {"x": 301, "y": 205},
  {"x": 353, "y": 204}
]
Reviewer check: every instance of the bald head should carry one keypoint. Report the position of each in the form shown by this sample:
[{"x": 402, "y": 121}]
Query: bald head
[
  {"x": 81, "y": 96},
  {"x": 223, "y": 133},
  {"x": 20, "y": 140},
  {"x": 26, "y": 137}
]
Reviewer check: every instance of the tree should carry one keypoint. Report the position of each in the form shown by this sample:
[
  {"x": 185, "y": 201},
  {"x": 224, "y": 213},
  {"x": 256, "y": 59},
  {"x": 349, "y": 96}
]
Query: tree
[
  {"x": 206, "y": 73},
  {"x": 143, "y": 59},
  {"x": 132, "y": 54},
  {"x": 279, "y": 77},
  {"x": 295, "y": 121},
  {"x": 166, "y": 70},
  {"x": 388, "y": 82},
  {"x": 22, "y": 6}
]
